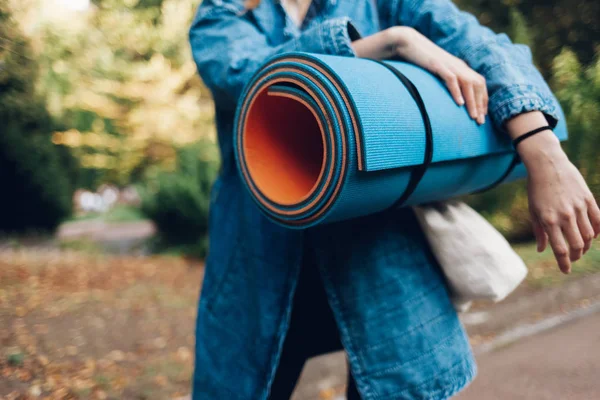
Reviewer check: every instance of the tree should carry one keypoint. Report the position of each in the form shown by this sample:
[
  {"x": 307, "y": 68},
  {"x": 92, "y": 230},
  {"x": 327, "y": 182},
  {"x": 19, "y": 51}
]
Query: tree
[
  {"x": 36, "y": 191},
  {"x": 553, "y": 24},
  {"x": 121, "y": 79}
]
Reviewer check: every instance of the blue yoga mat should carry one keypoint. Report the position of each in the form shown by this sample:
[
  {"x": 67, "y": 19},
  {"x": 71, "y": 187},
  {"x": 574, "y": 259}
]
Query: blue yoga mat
[{"x": 324, "y": 138}]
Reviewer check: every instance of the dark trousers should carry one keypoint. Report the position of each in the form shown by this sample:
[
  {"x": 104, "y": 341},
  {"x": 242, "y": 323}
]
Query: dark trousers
[{"x": 312, "y": 332}]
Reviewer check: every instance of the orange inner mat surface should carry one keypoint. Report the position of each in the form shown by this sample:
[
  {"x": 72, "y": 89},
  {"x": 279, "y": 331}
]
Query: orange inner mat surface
[{"x": 283, "y": 148}]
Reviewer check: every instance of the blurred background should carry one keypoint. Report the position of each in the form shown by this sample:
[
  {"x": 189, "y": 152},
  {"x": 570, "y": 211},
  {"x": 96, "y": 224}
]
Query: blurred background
[{"x": 107, "y": 155}]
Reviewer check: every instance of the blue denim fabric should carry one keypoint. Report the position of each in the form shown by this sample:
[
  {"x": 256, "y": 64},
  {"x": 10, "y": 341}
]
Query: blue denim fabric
[{"x": 403, "y": 338}]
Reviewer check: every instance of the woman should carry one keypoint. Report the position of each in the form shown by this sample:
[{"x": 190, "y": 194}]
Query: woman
[{"x": 273, "y": 297}]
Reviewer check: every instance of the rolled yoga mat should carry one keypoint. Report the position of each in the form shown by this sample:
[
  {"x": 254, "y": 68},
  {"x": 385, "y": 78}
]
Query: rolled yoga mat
[{"x": 324, "y": 138}]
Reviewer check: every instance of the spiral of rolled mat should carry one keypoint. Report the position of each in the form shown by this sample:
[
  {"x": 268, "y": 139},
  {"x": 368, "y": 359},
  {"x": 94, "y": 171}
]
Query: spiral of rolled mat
[{"x": 324, "y": 138}]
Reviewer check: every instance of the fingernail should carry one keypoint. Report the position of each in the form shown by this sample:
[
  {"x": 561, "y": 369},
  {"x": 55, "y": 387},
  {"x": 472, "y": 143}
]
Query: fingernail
[{"x": 461, "y": 101}]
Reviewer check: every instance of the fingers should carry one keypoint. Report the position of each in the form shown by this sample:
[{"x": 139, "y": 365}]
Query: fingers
[
  {"x": 465, "y": 85},
  {"x": 594, "y": 215},
  {"x": 559, "y": 247},
  {"x": 480, "y": 98},
  {"x": 469, "y": 95},
  {"x": 474, "y": 90},
  {"x": 585, "y": 228},
  {"x": 571, "y": 233},
  {"x": 540, "y": 235},
  {"x": 451, "y": 81}
]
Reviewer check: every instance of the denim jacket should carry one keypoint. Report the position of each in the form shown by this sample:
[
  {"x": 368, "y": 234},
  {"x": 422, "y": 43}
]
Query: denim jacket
[{"x": 252, "y": 266}]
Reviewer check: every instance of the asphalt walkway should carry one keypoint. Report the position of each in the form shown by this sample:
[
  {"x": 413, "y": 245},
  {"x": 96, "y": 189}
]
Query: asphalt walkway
[
  {"x": 560, "y": 363},
  {"x": 563, "y": 363}
]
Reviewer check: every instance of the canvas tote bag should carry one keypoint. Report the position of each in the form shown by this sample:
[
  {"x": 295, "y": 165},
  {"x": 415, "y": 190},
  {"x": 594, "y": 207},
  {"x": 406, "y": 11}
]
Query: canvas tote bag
[{"x": 478, "y": 262}]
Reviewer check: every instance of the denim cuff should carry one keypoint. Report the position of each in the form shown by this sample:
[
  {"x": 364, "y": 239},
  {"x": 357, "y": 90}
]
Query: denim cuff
[
  {"x": 337, "y": 36},
  {"x": 513, "y": 100}
]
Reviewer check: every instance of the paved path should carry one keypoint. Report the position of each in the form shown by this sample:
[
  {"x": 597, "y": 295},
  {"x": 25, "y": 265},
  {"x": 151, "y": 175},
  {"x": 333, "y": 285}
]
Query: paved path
[
  {"x": 563, "y": 363},
  {"x": 101, "y": 231},
  {"x": 113, "y": 237}
]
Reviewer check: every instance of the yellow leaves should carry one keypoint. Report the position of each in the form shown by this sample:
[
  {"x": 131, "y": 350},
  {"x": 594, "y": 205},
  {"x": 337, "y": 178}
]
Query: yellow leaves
[
  {"x": 100, "y": 140},
  {"x": 97, "y": 161},
  {"x": 43, "y": 360},
  {"x": 116, "y": 356},
  {"x": 161, "y": 380},
  {"x": 101, "y": 105},
  {"x": 71, "y": 350},
  {"x": 184, "y": 354},
  {"x": 20, "y": 311},
  {"x": 327, "y": 394},
  {"x": 70, "y": 138},
  {"x": 59, "y": 67},
  {"x": 566, "y": 68},
  {"x": 60, "y": 394},
  {"x": 97, "y": 140},
  {"x": 35, "y": 390}
]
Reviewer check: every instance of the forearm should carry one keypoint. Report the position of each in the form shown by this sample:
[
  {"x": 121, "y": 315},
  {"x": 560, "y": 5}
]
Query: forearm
[{"x": 379, "y": 46}]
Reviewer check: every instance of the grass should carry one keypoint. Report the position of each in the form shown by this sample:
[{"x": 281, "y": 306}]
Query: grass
[
  {"x": 197, "y": 250},
  {"x": 544, "y": 272},
  {"x": 83, "y": 245},
  {"x": 120, "y": 213}
]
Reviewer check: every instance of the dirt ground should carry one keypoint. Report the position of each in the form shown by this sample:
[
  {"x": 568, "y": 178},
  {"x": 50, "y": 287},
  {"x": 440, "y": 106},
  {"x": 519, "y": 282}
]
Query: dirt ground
[{"x": 76, "y": 325}]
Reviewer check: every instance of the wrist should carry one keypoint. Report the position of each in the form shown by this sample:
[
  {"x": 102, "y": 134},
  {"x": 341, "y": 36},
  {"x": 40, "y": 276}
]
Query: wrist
[
  {"x": 540, "y": 148},
  {"x": 399, "y": 38}
]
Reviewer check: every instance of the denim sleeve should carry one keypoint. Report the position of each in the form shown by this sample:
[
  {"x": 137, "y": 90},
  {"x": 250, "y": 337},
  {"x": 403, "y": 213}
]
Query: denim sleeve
[
  {"x": 228, "y": 48},
  {"x": 514, "y": 83}
]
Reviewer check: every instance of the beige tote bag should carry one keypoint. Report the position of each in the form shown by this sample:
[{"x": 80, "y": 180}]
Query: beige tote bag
[{"x": 477, "y": 260}]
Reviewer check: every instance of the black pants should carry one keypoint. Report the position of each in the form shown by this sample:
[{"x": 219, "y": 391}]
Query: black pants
[{"x": 312, "y": 332}]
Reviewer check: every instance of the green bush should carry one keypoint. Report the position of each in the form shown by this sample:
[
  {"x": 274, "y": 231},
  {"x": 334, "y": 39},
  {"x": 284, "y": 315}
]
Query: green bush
[
  {"x": 36, "y": 190},
  {"x": 177, "y": 201},
  {"x": 578, "y": 89}
]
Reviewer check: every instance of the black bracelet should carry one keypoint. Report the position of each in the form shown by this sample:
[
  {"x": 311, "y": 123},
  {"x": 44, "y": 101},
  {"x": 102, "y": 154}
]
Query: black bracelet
[{"x": 529, "y": 134}]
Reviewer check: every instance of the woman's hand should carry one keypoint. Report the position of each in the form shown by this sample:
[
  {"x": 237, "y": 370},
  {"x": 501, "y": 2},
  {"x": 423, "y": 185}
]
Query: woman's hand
[
  {"x": 465, "y": 85},
  {"x": 562, "y": 208}
]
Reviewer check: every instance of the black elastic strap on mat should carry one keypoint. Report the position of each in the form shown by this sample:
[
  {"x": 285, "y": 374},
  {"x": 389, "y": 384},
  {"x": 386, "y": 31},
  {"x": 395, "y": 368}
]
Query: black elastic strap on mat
[
  {"x": 515, "y": 161},
  {"x": 419, "y": 170}
]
